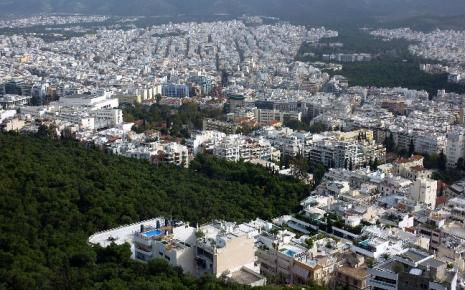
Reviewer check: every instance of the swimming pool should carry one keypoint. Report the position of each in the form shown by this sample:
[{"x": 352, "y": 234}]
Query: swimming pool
[
  {"x": 289, "y": 253},
  {"x": 153, "y": 233}
]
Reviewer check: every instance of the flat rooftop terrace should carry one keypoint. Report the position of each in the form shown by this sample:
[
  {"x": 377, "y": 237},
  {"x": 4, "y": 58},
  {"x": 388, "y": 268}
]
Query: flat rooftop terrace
[
  {"x": 245, "y": 277},
  {"x": 120, "y": 235}
]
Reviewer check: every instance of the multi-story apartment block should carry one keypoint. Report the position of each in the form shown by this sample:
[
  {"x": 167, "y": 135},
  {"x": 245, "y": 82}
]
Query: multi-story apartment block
[
  {"x": 424, "y": 191},
  {"x": 431, "y": 229},
  {"x": 224, "y": 249},
  {"x": 271, "y": 117},
  {"x": 410, "y": 168},
  {"x": 430, "y": 143},
  {"x": 352, "y": 274},
  {"x": 92, "y": 102},
  {"x": 13, "y": 101},
  {"x": 346, "y": 154},
  {"x": 172, "y": 242},
  {"x": 203, "y": 139},
  {"x": 216, "y": 125},
  {"x": 107, "y": 118},
  {"x": 175, "y": 90},
  {"x": 412, "y": 269},
  {"x": 6, "y": 114},
  {"x": 455, "y": 149},
  {"x": 237, "y": 147},
  {"x": 456, "y": 207},
  {"x": 278, "y": 255},
  {"x": 171, "y": 153},
  {"x": 155, "y": 152}
]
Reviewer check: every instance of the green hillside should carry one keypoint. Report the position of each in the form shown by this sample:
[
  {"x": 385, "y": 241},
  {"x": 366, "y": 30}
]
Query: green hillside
[{"x": 54, "y": 194}]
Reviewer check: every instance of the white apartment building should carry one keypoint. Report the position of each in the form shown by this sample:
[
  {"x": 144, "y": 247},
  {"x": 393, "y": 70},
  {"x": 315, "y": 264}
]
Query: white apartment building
[
  {"x": 6, "y": 114},
  {"x": 228, "y": 152},
  {"x": 195, "y": 143},
  {"x": 157, "y": 153},
  {"x": 107, "y": 118},
  {"x": 13, "y": 124},
  {"x": 174, "y": 243},
  {"x": 456, "y": 208},
  {"x": 227, "y": 249},
  {"x": 289, "y": 142},
  {"x": 83, "y": 120},
  {"x": 455, "y": 146},
  {"x": 322, "y": 152},
  {"x": 219, "y": 248},
  {"x": 94, "y": 102},
  {"x": 371, "y": 247},
  {"x": 36, "y": 111},
  {"x": 236, "y": 147},
  {"x": 412, "y": 269},
  {"x": 424, "y": 191},
  {"x": 176, "y": 154},
  {"x": 397, "y": 219},
  {"x": 269, "y": 117},
  {"x": 13, "y": 101},
  {"x": 346, "y": 154},
  {"x": 429, "y": 143},
  {"x": 425, "y": 142}
]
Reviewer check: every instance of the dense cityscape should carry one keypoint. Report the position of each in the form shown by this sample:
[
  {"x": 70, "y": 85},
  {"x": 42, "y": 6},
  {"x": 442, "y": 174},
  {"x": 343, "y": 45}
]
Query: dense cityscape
[{"x": 362, "y": 187}]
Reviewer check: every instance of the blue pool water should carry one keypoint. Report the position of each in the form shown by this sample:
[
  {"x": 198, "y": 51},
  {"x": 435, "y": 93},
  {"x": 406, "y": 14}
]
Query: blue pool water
[
  {"x": 153, "y": 233},
  {"x": 364, "y": 243},
  {"x": 289, "y": 253}
]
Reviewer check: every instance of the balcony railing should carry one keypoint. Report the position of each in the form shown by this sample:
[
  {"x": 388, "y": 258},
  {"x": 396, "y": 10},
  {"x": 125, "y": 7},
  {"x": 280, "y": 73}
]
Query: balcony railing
[{"x": 381, "y": 284}]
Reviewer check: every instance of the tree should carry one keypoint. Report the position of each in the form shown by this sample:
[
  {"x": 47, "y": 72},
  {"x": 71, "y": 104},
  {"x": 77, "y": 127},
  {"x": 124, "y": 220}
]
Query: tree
[
  {"x": 398, "y": 268},
  {"x": 309, "y": 243},
  {"x": 47, "y": 131},
  {"x": 442, "y": 162},
  {"x": 431, "y": 161},
  {"x": 318, "y": 170},
  {"x": 318, "y": 128},
  {"x": 374, "y": 165},
  {"x": 55, "y": 193},
  {"x": 158, "y": 98},
  {"x": 460, "y": 164},
  {"x": 300, "y": 166},
  {"x": 389, "y": 143},
  {"x": 411, "y": 148}
]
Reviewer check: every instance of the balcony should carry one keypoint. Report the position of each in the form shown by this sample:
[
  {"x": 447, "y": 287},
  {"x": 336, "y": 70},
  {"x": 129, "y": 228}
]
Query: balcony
[
  {"x": 144, "y": 252},
  {"x": 381, "y": 284}
]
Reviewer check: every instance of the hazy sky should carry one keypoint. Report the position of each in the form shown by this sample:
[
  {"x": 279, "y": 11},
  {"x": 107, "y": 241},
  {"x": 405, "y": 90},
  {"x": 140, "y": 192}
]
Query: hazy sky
[{"x": 300, "y": 10}]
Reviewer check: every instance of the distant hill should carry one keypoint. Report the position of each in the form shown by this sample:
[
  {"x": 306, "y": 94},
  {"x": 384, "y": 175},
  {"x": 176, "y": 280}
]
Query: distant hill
[{"x": 303, "y": 11}]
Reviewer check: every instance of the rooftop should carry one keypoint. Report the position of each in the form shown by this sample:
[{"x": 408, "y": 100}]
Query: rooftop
[
  {"x": 357, "y": 273},
  {"x": 410, "y": 159},
  {"x": 245, "y": 277},
  {"x": 237, "y": 97},
  {"x": 414, "y": 256},
  {"x": 433, "y": 263},
  {"x": 79, "y": 96},
  {"x": 120, "y": 235}
]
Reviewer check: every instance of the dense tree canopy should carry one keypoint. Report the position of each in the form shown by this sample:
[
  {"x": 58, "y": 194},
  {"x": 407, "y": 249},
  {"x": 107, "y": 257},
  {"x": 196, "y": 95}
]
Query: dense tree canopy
[
  {"x": 392, "y": 65},
  {"x": 387, "y": 73},
  {"x": 175, "y": 122},
  {"x": 54, "y": 194}
]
